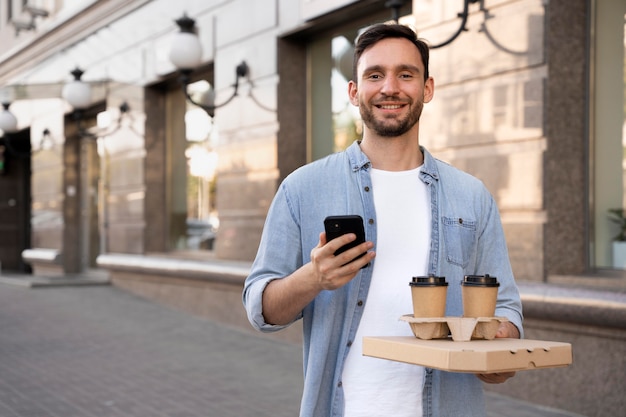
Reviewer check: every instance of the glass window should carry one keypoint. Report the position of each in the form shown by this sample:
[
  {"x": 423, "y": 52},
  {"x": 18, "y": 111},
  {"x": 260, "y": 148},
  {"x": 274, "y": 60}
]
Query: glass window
[
  {"x": 201, "y": 133},
  {"x": 346, "y": 118},
  {"x": 608, "y": 136}
]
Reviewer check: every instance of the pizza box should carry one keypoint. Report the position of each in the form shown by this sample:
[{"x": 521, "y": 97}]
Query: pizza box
[{"x": 475, "y": 356}]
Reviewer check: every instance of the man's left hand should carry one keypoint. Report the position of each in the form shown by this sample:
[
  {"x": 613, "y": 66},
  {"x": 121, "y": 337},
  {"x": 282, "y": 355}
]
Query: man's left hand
[{"x": 506, "y": 330}]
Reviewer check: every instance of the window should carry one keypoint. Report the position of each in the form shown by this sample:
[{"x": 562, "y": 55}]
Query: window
[
  {"x": 608, "y": 132},
  {"x": 192, "y": 165},
  {"x": 201, "y": 133}
]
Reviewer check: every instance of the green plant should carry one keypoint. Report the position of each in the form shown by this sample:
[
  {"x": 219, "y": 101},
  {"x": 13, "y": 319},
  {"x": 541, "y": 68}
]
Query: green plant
[{"x": 618, "y": 215}]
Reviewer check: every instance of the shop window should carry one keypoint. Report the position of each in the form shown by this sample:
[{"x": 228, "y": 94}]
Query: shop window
[
  {"x": 608, "y": 135},
  {"x": 201, "y": 134}
]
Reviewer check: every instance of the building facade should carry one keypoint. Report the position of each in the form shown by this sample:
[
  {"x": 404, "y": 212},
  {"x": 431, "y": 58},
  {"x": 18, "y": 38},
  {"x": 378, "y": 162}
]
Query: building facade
[{"x": 529, "y": 98}]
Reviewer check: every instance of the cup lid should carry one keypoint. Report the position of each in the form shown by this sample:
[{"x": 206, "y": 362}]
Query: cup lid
[
  {"x": 429, "y": 281},
  {"x": 481, "y": 280}
]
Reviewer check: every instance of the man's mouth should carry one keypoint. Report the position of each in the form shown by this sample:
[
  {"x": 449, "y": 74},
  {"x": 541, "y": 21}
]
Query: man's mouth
[{"x": 389, "y": 106}]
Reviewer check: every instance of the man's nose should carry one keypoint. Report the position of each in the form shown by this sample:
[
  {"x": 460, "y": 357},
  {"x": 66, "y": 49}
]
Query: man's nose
[{"x": 390, "y": 86}]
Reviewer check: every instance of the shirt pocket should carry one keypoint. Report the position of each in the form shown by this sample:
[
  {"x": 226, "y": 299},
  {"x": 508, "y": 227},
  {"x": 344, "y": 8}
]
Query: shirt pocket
[{"x": 459, "y": 235}]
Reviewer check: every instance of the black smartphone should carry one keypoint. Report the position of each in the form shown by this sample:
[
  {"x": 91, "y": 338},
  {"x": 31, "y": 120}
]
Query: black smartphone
[{"x": 336, "y": 226}]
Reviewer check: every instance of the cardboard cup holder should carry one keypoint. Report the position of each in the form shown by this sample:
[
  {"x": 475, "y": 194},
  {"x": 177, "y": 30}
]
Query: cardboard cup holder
[{"x": 462, "y": 329}]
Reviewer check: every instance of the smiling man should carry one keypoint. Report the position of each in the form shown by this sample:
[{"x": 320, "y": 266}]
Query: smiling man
[
  {"x": 412, "y": 205},
  {"x": 388, "y": 84}
]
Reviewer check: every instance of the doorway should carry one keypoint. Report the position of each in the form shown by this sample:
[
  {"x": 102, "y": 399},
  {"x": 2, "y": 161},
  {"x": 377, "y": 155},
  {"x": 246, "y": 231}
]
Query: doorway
[{"x": 15, "y": 207}]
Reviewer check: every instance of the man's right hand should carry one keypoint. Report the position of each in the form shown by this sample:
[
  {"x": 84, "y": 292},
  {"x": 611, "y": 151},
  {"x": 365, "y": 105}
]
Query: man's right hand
[
  {"x": 285, "y": 298},
  {"x": 332, "y": 271}
]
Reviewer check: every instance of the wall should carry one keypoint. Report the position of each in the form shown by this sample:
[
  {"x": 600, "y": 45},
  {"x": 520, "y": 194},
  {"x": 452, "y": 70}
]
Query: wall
[
  {"x": 246, "y": 176},
  {"x": 509, "y": 108}
]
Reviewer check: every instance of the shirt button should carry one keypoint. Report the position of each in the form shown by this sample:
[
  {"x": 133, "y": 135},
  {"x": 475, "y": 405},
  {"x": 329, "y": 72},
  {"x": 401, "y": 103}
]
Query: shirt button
[
  {"x": 360, "y": 303},
  {"x": 371, "y": 221},
  {"x": 367, "y": 189},
  {"x": 340, "y": 384},
  {"x": 350, "y": 343}
]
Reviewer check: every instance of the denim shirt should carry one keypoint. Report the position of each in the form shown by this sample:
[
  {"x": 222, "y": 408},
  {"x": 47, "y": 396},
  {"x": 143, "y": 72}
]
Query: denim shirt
[{"x": 467, "y": 239}]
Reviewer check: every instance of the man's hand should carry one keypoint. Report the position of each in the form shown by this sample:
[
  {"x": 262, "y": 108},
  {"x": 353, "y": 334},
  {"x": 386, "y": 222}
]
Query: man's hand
[
  {"x": 332, "y": 271},
  {"x": 506, "y": 330},
  {"x": 284, "y": 299}
]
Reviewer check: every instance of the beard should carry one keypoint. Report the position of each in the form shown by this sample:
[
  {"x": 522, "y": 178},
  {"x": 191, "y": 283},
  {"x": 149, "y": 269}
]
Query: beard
[{"x": 391, "y": 126}]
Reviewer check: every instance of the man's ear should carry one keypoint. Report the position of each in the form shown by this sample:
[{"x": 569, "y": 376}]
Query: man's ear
[
  {"x": 429, "y": 89},
  {"x": 353, "y": 93}
]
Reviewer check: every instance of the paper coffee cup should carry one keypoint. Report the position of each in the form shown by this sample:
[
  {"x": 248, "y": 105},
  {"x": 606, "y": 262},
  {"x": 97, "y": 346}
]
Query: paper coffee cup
[
  {"x": 480, "y": 293},
  {"x": 429, "y": 296}
]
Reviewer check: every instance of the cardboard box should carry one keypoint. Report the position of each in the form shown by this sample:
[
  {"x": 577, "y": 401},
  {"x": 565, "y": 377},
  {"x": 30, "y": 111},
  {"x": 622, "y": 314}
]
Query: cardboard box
[{"x": 476, "y": 356}]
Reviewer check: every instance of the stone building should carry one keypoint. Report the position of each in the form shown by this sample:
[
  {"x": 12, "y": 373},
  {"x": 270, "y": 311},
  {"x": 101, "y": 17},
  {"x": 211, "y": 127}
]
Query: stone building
[{"x": 170, "y": 199}]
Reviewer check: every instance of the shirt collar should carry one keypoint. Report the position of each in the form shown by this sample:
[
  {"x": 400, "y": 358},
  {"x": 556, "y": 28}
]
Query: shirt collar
[
  {"x": 430, "y": 165},
  {"x": 358, "y": 160}
]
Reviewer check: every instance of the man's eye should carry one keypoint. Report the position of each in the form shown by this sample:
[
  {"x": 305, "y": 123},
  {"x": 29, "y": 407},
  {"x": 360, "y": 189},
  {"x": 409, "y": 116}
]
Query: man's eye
[
  {"x": 375, "y": 76},
  {"x": 406, "y": 76}
]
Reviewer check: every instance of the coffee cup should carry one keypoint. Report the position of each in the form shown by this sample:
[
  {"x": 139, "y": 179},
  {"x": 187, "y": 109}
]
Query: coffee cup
[
  {"x": 480, "y": 293},
  {"x": 429, "y": 296}
]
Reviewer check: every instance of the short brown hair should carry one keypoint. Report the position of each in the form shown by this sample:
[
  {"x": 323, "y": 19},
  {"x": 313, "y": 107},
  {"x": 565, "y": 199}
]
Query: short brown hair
[{"x": 380, "y": 31}]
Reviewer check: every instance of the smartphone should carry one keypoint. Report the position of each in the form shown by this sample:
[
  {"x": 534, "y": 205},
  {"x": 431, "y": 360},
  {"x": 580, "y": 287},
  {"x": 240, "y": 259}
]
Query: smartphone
[{"x": 336, "y": 226}]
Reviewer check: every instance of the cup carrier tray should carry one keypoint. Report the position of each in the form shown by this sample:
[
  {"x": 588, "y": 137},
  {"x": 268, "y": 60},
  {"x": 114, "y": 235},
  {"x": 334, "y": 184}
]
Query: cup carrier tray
[{"x": 461, "y": 328}]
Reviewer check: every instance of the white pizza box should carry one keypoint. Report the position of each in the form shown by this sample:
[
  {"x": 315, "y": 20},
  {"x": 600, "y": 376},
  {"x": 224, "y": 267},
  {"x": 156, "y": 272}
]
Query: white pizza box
[{"x": 475, "y": 356}]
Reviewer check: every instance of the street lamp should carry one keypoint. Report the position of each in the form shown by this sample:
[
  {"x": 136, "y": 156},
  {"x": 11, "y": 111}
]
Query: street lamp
[
  {"x": 186, "y": 55},
  {"x": 8, "y": 121},
  {"x": 464, "y": 15},
  {"x": 8, "y": 126},
  {"x": 77, "y": 92}
]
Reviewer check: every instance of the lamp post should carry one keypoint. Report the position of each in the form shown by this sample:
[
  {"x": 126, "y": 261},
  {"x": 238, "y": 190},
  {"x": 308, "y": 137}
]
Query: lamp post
[
  {"x": 186, "y": 55},
  {"x": 78, "y": 94}
]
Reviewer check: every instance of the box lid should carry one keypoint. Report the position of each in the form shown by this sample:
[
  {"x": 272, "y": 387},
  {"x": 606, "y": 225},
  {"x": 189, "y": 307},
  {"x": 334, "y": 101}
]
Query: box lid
[{"x": 476, "y": 356}]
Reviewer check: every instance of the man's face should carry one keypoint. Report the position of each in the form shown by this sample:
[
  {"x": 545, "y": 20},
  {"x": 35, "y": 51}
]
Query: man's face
[{"x": 391, "y": 91}]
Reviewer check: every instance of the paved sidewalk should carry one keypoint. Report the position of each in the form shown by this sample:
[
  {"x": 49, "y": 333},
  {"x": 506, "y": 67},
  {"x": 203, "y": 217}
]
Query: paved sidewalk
[{"x": 97, "y": 351}]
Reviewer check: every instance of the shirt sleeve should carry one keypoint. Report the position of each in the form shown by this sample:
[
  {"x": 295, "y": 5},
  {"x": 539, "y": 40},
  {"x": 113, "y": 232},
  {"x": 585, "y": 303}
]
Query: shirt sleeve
[{"x": 279, "y": 255}]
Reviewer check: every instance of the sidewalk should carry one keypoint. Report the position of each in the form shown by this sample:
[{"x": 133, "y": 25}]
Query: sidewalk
[{"x": 97, "y": 351}]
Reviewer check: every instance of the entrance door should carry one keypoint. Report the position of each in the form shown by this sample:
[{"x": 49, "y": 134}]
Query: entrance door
[{"x": 15, "y": 207}]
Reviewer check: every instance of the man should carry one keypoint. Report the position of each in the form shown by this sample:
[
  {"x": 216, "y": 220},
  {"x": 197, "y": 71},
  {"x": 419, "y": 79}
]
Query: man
[{"x": 422, "y": 217}]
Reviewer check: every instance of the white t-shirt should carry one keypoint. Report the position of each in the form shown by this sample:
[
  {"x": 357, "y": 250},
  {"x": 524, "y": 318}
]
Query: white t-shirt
[{"x": 378, "y": 387}]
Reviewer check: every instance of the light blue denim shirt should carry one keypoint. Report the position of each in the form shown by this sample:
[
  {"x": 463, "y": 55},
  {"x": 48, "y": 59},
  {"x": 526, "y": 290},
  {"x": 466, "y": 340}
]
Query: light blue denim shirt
[{"x": 467, "y": 239}]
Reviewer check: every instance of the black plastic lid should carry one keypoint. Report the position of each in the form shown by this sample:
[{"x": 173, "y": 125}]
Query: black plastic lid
[
  {"x": 429, "y": 281},
  {"x": 480, "y": 281}
]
